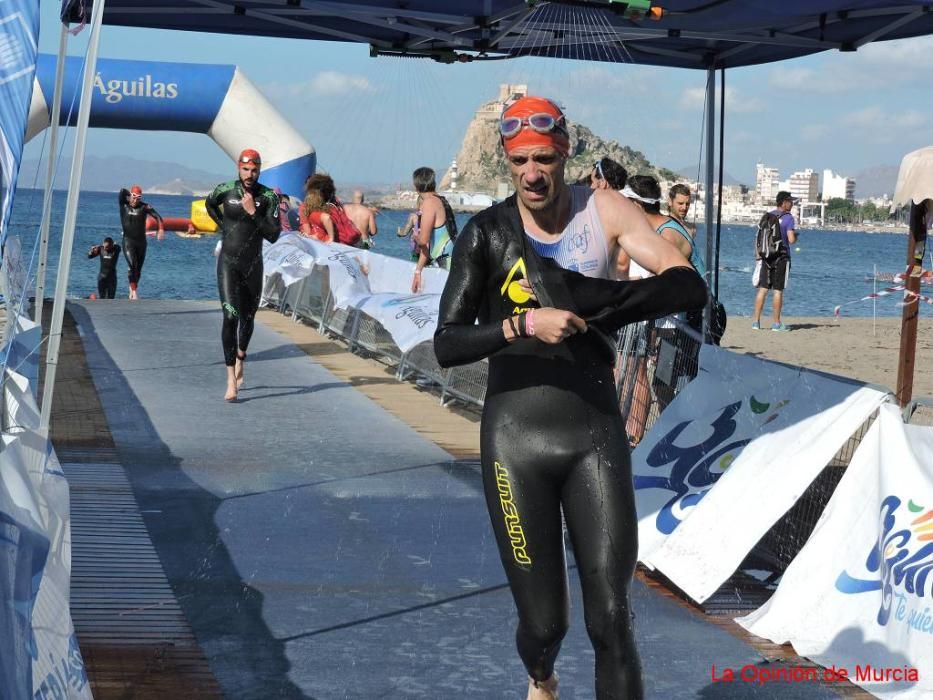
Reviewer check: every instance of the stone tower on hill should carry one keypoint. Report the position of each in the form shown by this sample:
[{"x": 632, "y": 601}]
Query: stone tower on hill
[{"x": 480, "y": 163}]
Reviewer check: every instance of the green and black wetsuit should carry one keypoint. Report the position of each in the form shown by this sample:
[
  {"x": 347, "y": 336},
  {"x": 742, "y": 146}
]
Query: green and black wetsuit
[
  {"x": 133, "y": 222},
  {"x": 239, "y": 265},
  {"x": 552, "y": 436}
]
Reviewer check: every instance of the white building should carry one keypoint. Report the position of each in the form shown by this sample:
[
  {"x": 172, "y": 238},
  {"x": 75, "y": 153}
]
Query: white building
[
  {"x": 804, "y": 185},
  {"x": 766, "y": 183},
  {"x": 837, "y": 187}
]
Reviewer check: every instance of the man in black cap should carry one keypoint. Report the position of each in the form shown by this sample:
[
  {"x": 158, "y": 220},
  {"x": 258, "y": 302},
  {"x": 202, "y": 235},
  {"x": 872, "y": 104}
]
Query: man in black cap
[{"x": 773, "y": 272}]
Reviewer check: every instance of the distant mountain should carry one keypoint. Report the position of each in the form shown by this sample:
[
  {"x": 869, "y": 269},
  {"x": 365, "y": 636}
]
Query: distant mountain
[
  {"x": 690, "y": 173},
  {"x": 112, "y": 173},
  {"x": 876, "y": 181}
]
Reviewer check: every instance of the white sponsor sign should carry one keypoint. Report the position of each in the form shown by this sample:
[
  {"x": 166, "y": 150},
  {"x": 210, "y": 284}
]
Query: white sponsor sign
[
  {"x": 289, "y": 261},
  {"x": 857, "y": 597},
  {"x": 409, "y": 319},
  {"x": 758, "y": 432}
]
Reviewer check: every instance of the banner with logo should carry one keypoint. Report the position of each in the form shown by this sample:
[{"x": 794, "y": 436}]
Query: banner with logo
[
  {"x": 857, "y": 597},
  {"x": 730, "y": 455},
  {"x": 19, "y": 32},
  {"x": 39, "y": 654},
  {"x": 291, "y": 262},
  {"x": 410, "y": 319}
]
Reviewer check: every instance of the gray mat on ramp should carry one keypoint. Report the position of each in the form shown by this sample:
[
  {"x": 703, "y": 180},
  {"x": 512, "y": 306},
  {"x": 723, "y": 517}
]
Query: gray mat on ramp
[{"x": 321, "y": 548}]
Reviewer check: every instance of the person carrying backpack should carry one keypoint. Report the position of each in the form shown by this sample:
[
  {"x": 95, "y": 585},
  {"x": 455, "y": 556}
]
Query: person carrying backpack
[
  {"x": 436, "y": 227},
  {"x": 776, "y": 234}
]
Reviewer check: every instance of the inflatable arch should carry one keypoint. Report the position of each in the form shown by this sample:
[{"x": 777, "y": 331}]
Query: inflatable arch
[{"x": 207, "y": 99}]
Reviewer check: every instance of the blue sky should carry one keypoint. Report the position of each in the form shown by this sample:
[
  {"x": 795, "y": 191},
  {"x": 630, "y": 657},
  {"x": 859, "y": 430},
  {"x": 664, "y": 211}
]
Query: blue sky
[{"x": 375, "y": 119}]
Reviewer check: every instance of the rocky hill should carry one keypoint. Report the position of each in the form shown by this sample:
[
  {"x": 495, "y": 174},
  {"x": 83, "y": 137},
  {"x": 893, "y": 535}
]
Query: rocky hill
[{"x": 481, "y": 162}]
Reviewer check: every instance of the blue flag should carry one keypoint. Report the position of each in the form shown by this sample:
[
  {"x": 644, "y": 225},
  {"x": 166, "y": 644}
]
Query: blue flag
[{"x": 19, "y": 34}]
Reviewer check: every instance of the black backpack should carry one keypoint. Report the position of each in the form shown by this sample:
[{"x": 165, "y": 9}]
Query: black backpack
[
  {"x": 449, "y": 216},
  {"x": 768, "y": 240}
]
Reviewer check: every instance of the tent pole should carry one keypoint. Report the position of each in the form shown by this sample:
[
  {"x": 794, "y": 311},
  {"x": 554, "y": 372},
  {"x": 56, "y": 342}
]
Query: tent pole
[
  {"x": 916, "y": 249},
  {"x": 71, "y": 216},
  {"x": 708, "y": 198},
  {"x": 49, "y": 177},
  {"x": 722, "y": 159}
]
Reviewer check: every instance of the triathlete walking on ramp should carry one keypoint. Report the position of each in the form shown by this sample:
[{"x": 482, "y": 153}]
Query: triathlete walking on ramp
[
  {"x": 246, "y": 212},
  {"x": 552, "y": 438},
  {"x": 109, "y": 254},
  {"x": 133, "y": 213}
]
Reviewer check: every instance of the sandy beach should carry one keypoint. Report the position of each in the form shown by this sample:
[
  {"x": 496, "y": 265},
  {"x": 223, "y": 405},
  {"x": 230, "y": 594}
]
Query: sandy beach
[{"x": 851, "y": 347}]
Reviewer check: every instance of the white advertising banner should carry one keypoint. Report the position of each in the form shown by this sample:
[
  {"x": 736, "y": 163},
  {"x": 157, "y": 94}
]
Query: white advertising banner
[
  {"x": 410, "y": 319},
  {"x": 730, "y": 455},
  {"x": 39, "y": 654},
  {"x": 287, "y": 260},
  {"x": 857, "y": 597}
]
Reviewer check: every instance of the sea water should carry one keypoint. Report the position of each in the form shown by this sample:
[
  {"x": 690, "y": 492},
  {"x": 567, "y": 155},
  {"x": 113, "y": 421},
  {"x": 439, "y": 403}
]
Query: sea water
[{"x": 829, "y": 269}]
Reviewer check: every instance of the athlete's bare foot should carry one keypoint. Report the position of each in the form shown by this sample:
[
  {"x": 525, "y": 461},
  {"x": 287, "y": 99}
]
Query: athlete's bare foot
[
  {"x": 133, "y": 294},
  {"x": 238, "y": 369},
  {"x": 231, "y": 385},
  {"x": 543, "y": 690}
]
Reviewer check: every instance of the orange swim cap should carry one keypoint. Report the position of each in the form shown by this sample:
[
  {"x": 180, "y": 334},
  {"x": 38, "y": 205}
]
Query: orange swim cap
[
  {"x": 530, "y": 116},
  {"x": 136, "y": 189},
  {"x": 248, "y": 154}
]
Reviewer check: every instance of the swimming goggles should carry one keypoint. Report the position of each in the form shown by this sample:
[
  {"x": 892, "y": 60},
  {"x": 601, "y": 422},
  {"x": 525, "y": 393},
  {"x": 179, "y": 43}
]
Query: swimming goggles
[
  {"x": 598, "y": 167},
  {"x": 250, "y": 159},
  {"x": 542, "y": 122}
]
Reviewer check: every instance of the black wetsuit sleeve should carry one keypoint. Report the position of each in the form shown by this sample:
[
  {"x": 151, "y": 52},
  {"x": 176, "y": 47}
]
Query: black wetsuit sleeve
[
  {"x": 94, "y": 252},
  {"x": 269, "y": 223},
  {"x": 459, "y": 340},
  {"x": 124, "y": 196},
  {"x": 611, "y": 305},
  {"x": 154, "y": 214},
  {"x": 212, "y": 205}
]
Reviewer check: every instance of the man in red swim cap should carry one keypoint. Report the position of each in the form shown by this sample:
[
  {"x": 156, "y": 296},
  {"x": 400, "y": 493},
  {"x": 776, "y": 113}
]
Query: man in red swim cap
[
  {"x": 552, "y": 438},
  {"x": 133, "y": 214},
  {"x": 246, "y": 212}
]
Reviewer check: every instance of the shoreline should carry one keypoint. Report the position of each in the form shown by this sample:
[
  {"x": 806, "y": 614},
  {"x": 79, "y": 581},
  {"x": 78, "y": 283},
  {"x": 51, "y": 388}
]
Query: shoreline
[{"x": 853, "y": 347}]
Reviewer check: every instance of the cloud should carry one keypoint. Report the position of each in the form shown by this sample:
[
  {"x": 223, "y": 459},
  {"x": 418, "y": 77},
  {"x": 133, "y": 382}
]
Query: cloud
[
  {"x": 736, "y": 102},
  {"x": 876, "y": 119},
  {"x": 814, "y": 132},
  {"x": 328, "y": 83}
]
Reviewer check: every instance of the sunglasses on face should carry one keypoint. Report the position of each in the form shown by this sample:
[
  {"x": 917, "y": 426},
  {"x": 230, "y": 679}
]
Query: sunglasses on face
[{"x": 542, "y": 122}]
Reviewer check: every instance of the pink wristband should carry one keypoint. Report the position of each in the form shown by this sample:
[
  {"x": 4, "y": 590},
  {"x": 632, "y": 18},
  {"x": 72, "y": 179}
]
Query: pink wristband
[{"x": 530, "y": 322}]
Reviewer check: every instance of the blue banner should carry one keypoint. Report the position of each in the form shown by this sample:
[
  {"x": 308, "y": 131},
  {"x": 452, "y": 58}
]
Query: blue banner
[
  {"x": 147, "y": 95},
  {"x": 19, "y": 34}
]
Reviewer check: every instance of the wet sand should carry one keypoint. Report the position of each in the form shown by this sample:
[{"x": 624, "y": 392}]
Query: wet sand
[{"x": 851, "y": 347}]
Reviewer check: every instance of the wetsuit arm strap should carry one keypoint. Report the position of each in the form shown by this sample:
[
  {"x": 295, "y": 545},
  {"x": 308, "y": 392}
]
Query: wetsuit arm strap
[{"x": 459, "y": 340}]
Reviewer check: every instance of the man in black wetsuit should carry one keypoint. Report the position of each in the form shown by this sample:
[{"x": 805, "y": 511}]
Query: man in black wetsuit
[
  {"x": 109, "y": 255},
  {"x": 133, "y": 213},
  {"x": 245, "y": 212},
  {"x": 552, "y": 437}
]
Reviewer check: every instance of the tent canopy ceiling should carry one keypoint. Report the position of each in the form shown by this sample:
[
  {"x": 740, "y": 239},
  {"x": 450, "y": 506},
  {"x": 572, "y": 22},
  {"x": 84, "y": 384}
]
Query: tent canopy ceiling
[{"x": 692, "y": 33}]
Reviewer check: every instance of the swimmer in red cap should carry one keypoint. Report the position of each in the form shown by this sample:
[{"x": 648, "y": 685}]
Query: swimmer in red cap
[
  {"x": 245, "y": 212},
  {"x": 133, "y": 214},
  {"x": 552, "y": 438}
]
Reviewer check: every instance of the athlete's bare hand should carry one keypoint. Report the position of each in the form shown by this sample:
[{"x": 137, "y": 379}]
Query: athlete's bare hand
[
  {"x": 161, "y": 234},
  {"x": 249, "y": 204},
  {"x": 553, "y": 326},
  {"x": 525, "y": 286}
]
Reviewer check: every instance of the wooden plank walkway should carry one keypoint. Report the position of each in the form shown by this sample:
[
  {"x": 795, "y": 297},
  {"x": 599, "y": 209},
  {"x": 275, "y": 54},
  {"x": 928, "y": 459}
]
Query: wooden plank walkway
[{"x": 134, "y": 637}]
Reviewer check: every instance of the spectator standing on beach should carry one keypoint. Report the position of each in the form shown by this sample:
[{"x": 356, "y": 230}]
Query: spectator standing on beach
[
  {"x": 313, "y": 214},
  {"x": 109, "y": 254},
  {"x": 246, "y": 212},
  {"x": 607, "y": 175},
  {"x": 552, "y": 439},
  {"x": 436, "y": 227},
  {"x": 133, "y": 213},
  {"x": 285, "y": 209},
  {"x": 773, "y": 273},
  {"x": 363, "y": 217}
]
